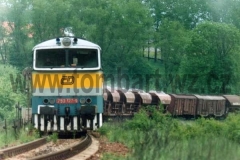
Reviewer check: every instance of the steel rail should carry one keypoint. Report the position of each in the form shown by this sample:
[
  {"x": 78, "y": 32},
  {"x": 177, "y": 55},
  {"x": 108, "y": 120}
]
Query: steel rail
[
  {"x": 13, "y": 151},
  {"x": 68, "y": 152}
]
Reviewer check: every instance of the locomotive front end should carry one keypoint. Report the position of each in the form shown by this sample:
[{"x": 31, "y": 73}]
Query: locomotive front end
[{"x": 67, "y": 85}]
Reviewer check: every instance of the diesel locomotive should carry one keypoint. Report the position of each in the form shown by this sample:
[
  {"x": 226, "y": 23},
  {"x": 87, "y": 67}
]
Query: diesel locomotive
[{"x": 67, "y": 85}]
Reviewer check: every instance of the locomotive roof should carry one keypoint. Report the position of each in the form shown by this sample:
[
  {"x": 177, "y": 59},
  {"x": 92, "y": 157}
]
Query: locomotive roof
[{"x": 52, "y": 44}]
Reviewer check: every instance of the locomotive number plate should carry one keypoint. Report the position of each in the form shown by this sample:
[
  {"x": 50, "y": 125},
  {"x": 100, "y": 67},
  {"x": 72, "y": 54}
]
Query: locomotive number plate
[{"x": 67, "y": 100}]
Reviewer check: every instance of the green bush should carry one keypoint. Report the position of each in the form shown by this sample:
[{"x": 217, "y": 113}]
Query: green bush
[
  {"x": 140, "y": 121},
  {"x": 108, "y": 156},
  {"x": 161, "y": 147},
  {"x": 53, "y": 137},
  {"x": 9, "y": 97},
  {"x": 25, "y": 136},
  {"x": 21, "y": 136},
  {"x": 163, "y": 137}
]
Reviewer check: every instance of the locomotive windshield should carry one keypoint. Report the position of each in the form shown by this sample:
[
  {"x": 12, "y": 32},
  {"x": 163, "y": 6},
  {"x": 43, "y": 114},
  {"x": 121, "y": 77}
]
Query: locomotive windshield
[{"x": 65, "y": 58}]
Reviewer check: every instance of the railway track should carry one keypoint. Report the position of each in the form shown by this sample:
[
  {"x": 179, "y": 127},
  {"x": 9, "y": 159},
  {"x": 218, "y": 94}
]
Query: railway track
[
  {"x": 12, "y": 151},
  {"x": 69, "y": 151}
]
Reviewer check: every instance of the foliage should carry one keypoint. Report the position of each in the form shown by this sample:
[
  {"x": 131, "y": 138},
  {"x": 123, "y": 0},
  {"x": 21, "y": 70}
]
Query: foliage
[
  {"x": 173, "y": 40},
  {"x": 24, "y": 135},
  {"x": 8, "y": 98},
  {"x": 191, "y": 51},
  {"x": 49, "y": 19},
  {"x": 121, "y": 28},
  {"x": 187, "y": 12},
  {"x": 210, "y": 61},
  {"x": 17, "y": 35},
  {"x": 111, "y": 156},
  {"x": 162, "y": 137},
  {"x": 53, "y": 137}
]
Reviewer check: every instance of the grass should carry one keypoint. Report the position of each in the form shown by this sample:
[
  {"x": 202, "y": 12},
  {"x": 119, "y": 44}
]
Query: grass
[
  {"x": 164, "y": 138},
  {"x": 22, "y": 136},
  {"x": 53, "y": 138}
]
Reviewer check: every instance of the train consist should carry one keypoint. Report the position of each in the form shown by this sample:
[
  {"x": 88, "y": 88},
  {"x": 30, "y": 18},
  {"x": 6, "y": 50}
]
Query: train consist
[
  {"x": 119, "y": 103},
  {"x": 67, "y": 93},
  {"x": 67, "y": 85}
]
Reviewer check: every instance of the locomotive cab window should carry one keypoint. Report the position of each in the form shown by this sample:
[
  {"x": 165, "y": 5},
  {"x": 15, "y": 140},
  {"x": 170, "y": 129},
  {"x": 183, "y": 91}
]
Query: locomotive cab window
[
  {"x": 66, "y": 58},
  {"x": 50, "y": 58},
  {"x": 83, "y": 58}
]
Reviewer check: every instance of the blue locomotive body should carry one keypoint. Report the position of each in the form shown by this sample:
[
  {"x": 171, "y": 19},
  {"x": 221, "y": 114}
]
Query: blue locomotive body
[{"x": 67, "y": 85}]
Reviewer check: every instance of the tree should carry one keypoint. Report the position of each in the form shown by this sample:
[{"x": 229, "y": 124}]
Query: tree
[
  {"x": 18, "y": 31},
  {"x": 3, "y": 33},
  {"x": 49, "y": 19},
  {"x": 225, "y": 11},
  {"x": 121, "y": 28},
  {"x": 186, "y": 12},
  {"x": 210, "y": 62},
  {"x": 173, "y": 41},
  {"x": 3, "y": 44},
  {"x": 234, "y": 12}
]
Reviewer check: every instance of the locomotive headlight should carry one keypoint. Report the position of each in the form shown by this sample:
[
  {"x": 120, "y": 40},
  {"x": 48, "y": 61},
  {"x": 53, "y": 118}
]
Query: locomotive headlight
[
  {"x": 66, "y": 41},
  {"x": 45, "y": 101},
  {"x": 75, "y": 41},
  {"x": 51, "y": 101},
  {"x": 58, "y": 41},
  {"x": 82, "y": 100},
  {"x": 88, "y": 100}
]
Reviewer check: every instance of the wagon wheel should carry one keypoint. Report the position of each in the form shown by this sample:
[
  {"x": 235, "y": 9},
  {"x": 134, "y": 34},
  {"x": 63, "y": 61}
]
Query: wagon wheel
[
  {"x": 130, "y": 108},
  {"x": 109, "y": 109},
  {"x": 105, "y": 107},
  {"x": 158, "y": 105},
  {"x": 123, "y": 108}
]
